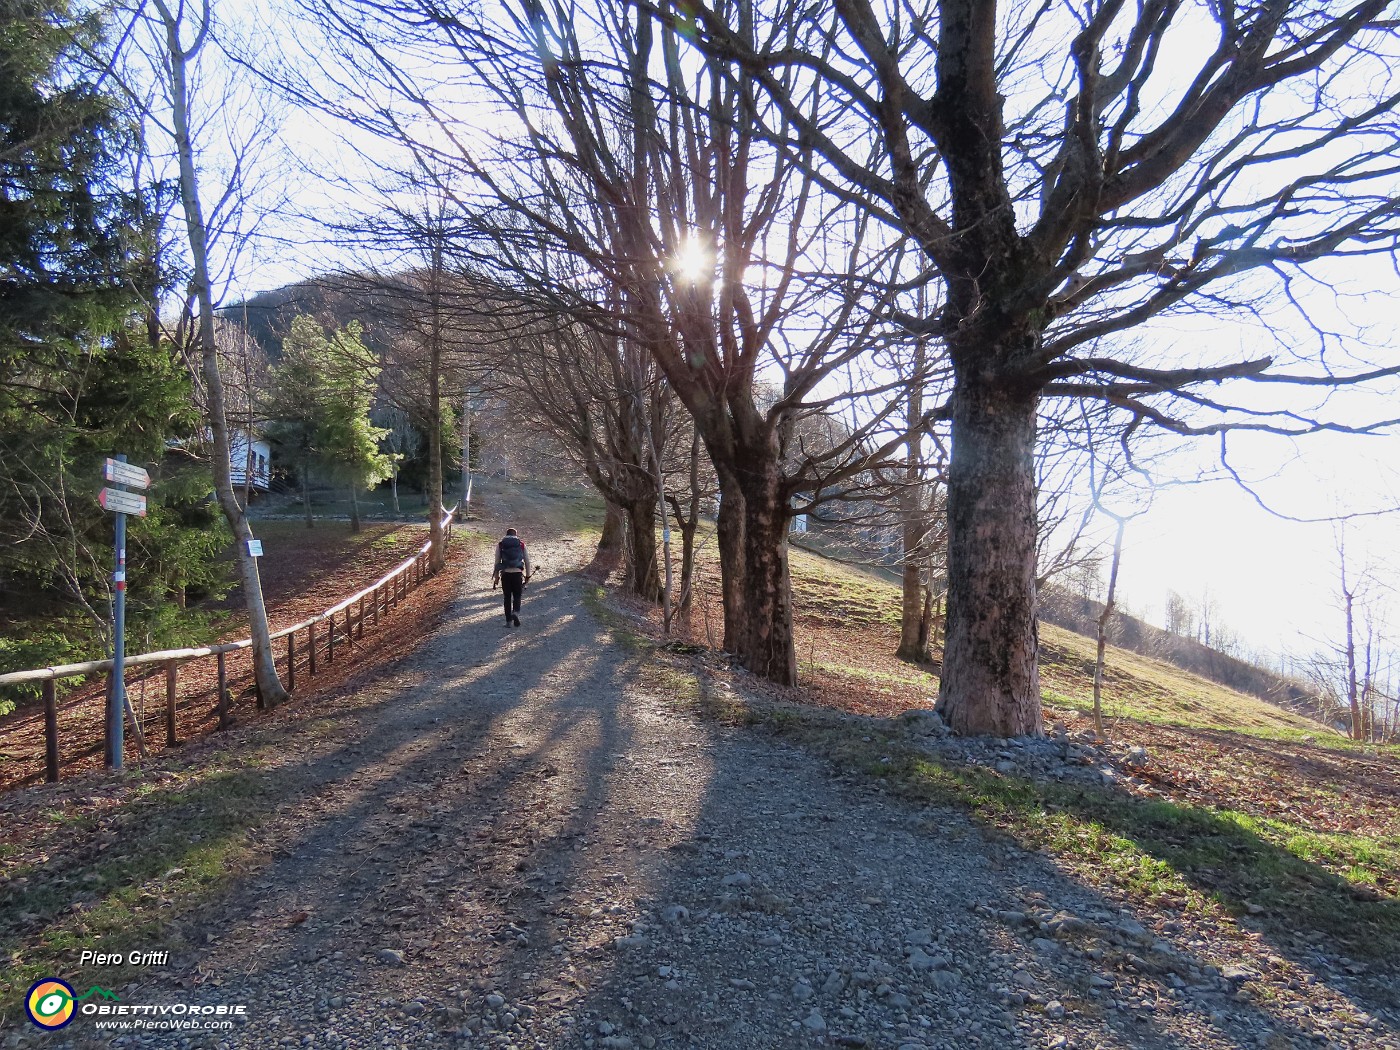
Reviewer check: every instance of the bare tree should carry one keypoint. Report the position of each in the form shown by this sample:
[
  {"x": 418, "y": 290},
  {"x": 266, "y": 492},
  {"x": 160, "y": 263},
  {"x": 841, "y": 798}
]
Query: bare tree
[
  {"x": 244, "y": 366},
  {"x": 1066, "y": 183},
  {"x": 1116, "y": 497},
  {"x": 1347, "y": 589},
  {"x": 721, "y": 255},
  {"x": 186, "y": 34},
  {"x": 1180, "y": 618},
  {"x": 918, "y": 504},
  {"x": 401, "y": 438},
  {"x": 602, "y": 396}
]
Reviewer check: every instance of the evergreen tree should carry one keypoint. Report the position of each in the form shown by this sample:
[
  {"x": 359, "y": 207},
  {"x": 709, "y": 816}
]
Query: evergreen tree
[
  {"x": 56, "y": 542},
  {"x": 318, "y": 412},
  {"x": 63, "y": 220},
  {"x": 81, "y": 377}
]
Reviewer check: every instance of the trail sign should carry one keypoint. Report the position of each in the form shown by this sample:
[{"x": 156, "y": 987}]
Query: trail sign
[
  {"x": 119, "y": 501},
  {"x": 128, "y": 474},
  {"x": 255, "y": 548}
]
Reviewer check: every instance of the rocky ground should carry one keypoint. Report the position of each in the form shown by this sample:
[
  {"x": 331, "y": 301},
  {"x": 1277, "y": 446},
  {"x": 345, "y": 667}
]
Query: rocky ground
[{"x": 515, "y": 838}]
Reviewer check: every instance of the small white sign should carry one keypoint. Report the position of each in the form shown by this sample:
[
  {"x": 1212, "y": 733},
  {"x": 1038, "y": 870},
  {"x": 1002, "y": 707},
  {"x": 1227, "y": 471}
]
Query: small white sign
[
  {"x": 255, "y": 548},
  {"x": 128, "y": 474},
  {"x": 119, "y": 501}
]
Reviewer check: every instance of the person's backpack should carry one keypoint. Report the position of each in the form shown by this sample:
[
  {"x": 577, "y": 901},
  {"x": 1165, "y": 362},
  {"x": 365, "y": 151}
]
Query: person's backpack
[{"x": 510, "y": 553}]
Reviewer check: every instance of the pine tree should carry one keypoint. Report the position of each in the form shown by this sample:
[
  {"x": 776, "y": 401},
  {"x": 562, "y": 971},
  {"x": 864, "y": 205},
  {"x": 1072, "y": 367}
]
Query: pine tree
[
  {"x": 63, "y": 221},
  {"x": 322, "y": 391},
  {"x": 80, "y": 378}
]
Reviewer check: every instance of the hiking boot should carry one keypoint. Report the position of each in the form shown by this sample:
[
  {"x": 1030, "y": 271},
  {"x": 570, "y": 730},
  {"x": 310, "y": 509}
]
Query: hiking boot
[{"x": 516, "y": 620}]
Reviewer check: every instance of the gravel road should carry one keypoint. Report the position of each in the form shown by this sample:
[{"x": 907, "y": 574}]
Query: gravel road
[{"x": 511, "y": 839}]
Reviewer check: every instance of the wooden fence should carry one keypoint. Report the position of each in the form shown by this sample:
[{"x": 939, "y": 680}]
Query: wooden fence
[{"x": 346, "y": 617}]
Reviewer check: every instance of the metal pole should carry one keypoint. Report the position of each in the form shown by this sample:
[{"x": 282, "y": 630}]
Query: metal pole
[
  {"x": 50, "y": 731},
  {"x": 116, "y": 700}
]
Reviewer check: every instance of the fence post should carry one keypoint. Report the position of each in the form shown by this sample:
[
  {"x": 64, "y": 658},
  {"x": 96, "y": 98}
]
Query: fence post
[
  {"x": 311, "y": 647},
  {"x": 51, "y": 731},
  {"x": 360, "y": 620},
  {"x": 172, "y": 686},
  {"x": 330, "y": 639},
  {"x": 223, "y": 691},
  {"x": 374, "y": 604},
  {"x": 291, "y": 661}
]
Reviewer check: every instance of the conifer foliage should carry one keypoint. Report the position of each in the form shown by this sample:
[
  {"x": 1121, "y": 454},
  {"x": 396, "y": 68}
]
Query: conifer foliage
[
  {"x": 80, "y": 377},
  {"x": 322, "y": 392}
]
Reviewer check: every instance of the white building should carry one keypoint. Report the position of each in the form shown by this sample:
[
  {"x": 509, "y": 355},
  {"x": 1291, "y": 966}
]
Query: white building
[{"x": 242, "y": 457}]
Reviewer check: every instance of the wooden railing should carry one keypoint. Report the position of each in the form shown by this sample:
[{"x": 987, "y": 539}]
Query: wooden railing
[{"x": 384, "y": 594}]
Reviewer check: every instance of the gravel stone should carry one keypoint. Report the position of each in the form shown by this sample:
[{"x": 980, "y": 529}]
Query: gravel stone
[{"x": 533, "y": 821}]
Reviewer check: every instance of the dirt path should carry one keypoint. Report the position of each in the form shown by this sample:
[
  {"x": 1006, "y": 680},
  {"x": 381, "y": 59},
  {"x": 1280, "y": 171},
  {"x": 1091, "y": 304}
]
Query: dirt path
[{"x": 509, "y": 841}]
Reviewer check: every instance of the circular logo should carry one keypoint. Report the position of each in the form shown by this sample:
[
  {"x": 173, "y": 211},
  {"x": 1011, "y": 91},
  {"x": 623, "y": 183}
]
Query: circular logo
[{"x": 50, "y": 1003}]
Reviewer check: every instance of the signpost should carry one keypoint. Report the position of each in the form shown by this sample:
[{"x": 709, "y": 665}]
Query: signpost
[
  {"x": 119, "y": 472},
  {"x": 121, "y": 503}
]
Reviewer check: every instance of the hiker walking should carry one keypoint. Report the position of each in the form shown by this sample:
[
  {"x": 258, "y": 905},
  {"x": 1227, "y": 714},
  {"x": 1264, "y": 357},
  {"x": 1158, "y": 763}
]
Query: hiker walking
[{"x": 512, "y": 570}]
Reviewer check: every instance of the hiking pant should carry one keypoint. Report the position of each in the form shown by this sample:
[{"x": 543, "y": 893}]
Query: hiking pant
[{"x": 512, "y": 587}]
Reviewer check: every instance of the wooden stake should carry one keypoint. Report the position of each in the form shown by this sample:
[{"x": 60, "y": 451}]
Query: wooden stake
[
  {"x": 51, "y": 731},
  {"x": 223, "y": 691},
  {"x": 172, "y": 687}
]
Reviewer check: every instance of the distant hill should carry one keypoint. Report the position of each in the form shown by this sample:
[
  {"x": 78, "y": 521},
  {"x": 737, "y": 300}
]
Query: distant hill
[{"x": 334, "y": 300}]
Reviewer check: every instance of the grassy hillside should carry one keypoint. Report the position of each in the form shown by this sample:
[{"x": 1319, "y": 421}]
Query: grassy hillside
[{"x": 848, "y": 621}]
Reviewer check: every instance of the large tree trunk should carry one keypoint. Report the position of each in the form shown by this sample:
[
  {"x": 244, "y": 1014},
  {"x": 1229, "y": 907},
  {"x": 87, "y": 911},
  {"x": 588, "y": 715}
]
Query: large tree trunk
[
  {"x": 991, "y": 682},
  {"x": 643, "y": 577},
  {"x": 767, "y": 645},
  {"x": 354, "y": 508},
  {"x": 914, "y": 512},
  {"x": 729, "y": 529},
  {"x": 306, "y": 495},
  {"x": 913, "y": 628},
  {"x": 687, "y": 586},
  {"x": 688, "y": 524},
  {"x": 611, "y": 544}
]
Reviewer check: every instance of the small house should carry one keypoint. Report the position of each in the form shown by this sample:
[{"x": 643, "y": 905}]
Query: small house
[{"x": 250, "y": 459}]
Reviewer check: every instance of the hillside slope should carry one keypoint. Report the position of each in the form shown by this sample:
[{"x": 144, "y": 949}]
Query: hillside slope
[{"x": 848, "y": 623}]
